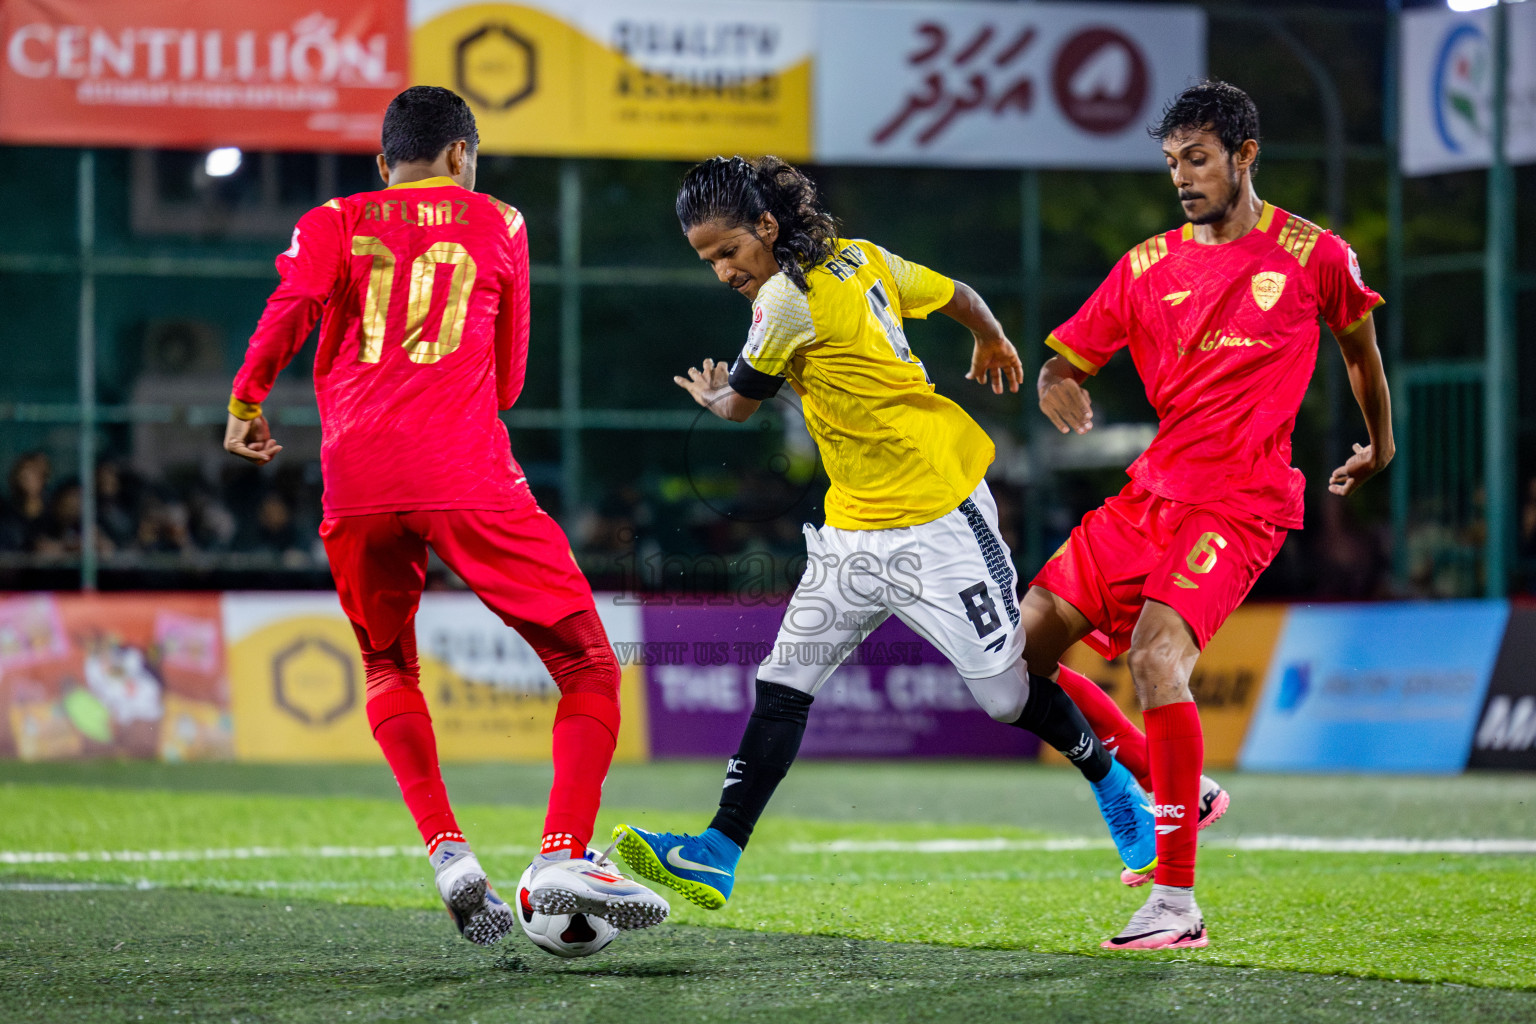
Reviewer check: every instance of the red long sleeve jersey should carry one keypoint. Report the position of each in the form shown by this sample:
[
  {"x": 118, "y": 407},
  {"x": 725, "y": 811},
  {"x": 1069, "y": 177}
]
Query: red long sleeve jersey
[
  {"x": 1225, "y": 339},
  {"x": 424, "y": 289}
]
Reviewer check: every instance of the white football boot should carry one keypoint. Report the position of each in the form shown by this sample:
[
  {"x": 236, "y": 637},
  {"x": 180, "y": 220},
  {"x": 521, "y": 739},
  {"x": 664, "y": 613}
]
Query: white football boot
[
  {"x": 593, "y": 885},
  {"x": 1159, "y": 925},
  {"x": 478, "y": 913}
]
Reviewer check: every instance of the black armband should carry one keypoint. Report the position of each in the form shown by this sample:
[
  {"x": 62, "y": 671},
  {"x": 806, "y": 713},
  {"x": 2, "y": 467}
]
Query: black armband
[{"x": 750, "y": 382}]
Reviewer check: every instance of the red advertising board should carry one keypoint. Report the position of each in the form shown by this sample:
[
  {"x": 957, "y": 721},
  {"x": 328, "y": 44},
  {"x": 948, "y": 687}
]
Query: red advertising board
[{"x": 281, "y": 74}]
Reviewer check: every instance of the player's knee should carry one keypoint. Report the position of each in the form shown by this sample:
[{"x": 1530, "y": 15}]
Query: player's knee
[
  {"x": 1002, "y": 696},
  {"x": 393, "y": 668},
  {"x": 1158, "y": 669}
]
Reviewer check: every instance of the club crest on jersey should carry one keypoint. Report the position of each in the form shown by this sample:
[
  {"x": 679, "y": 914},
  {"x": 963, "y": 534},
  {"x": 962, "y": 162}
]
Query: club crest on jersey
[{"x": 1268, "y": 285}]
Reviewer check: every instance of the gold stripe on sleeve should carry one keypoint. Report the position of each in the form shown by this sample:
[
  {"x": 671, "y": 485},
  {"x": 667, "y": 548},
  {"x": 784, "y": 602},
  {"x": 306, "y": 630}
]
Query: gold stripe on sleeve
[
  {"x": 1145, "y": 255},
  {"x": 1352, "y": 328},
  {"x": 1071, "y": 356}
]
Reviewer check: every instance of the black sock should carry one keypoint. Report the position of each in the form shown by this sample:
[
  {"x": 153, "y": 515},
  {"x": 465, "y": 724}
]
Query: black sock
[
  {"x": 767, "y": 749},
  {"x": 1050, "y": 714}
]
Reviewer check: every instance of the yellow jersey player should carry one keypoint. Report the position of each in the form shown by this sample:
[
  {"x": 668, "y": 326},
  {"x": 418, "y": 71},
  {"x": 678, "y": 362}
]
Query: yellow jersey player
[{"x": 911, "y": 527}]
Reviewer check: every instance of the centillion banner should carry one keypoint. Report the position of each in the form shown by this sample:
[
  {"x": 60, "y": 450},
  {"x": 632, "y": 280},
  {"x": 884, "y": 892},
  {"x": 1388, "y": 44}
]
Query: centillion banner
[
  {"x": 680, "y": 79},
  {"x": 1227, "y": 681},
  {"x": 298, "y": 692}
]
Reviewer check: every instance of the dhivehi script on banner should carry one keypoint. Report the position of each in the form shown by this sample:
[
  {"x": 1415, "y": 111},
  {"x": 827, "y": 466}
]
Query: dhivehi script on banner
[{"x": 683, "y": 78}]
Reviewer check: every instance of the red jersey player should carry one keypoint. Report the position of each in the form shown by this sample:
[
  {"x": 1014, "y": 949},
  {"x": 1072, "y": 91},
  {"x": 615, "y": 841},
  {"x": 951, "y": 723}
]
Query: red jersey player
[
  {"x": 1221, "y": 320},
  {"x": 424, "y": 290}
]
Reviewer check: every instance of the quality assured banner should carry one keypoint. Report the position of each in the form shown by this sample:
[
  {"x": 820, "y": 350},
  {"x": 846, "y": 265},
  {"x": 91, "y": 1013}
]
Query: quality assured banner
[
  {"x": 119, "y": 675},
  {"x": 894, "y": 696},
  {"x": 280, "y": 74},
  {"x": 299, "y": 694},
  {"x": 647, "y": 78},
  {"x": 1000, "y": 84}
]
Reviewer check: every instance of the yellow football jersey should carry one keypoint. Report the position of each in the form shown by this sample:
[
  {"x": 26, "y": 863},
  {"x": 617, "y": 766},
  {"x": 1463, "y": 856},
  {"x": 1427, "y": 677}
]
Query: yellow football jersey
[{"x": 897, "y": 453}]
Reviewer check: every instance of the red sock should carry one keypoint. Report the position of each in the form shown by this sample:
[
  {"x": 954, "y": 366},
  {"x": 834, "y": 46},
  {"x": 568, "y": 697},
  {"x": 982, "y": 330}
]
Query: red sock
[
  {"x": 1176, "y": 748},
  {"x": 1117, "y": 732},
  {"x": 403, "y": 729},
  {"x": 576, "y": 652},
  {"x": 582, "y": 751}
]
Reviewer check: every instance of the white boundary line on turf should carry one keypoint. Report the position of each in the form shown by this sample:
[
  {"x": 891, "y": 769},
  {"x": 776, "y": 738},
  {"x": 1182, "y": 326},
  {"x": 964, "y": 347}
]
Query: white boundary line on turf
[
  {"x": 1297, "y": 844},
  {"x": 232, "y": 853}
]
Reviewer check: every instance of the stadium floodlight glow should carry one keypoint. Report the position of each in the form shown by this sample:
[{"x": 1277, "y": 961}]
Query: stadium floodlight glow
[
  {"x": 1469, "y": 5},
  {"x": 223, "y": 162}
]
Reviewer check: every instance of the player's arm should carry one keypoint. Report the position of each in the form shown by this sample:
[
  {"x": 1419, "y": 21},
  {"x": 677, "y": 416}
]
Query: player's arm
[
  {"x": 1063, "y": 398},
  {"x": 1083, "y": 345},
  {"x": 1368, "y": 380},
  {"x": 994, "y": 360},
  {"x": 711, "y": 388},
  {"x": 308, "y": 269},
  {"x": 512, "y": 320}
]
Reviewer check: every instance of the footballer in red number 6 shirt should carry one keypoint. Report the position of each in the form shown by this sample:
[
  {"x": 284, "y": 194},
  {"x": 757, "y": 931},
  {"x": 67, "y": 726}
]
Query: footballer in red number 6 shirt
[
  {"x": 1221, "y": 320},
  {"x": 424, "y": 289}
]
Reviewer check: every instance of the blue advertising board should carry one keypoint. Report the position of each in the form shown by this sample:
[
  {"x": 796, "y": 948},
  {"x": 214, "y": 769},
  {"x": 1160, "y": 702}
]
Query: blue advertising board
[{"x": 1380, "y": 688}]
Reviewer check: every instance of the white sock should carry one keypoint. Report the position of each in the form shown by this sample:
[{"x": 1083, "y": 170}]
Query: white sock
[{"x": 1177, "y": 897}]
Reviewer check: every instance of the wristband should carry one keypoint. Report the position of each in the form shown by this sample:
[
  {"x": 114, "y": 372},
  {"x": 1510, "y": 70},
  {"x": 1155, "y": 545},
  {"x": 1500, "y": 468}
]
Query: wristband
[{"x": 243, "y": 410}]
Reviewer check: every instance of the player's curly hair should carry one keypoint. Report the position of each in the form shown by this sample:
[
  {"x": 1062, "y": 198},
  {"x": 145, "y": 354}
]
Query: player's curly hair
[
  {"x": 1214, "y": 106},
  {"x": 423, "y": 121},
  {"x": 739, "y": 191}
]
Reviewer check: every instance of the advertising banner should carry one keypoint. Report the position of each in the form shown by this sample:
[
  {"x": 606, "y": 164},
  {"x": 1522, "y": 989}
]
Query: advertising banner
[
  {"x": 298, "y": 690},
  {"x": 282, "y": 74},
  {"x": 1000, "y": 84},
  {"x": 1506, "y": 728},
  {"x": 122, "y": 675},
  {"x": 1226, "y": 683},
  {"x": 1446, "y": 110},
  {"x": 1386, "y": 687},
  {"x": 646, "y": 78},
  {"x": 895, "y": 696}
]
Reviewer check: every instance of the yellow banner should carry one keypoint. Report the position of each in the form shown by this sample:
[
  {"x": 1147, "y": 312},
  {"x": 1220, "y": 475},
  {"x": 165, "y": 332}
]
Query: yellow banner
[
  {"x": 297, "y": 691},
  {"x": 683, "y": 79},
  {"x": 1226, "y": 683}
]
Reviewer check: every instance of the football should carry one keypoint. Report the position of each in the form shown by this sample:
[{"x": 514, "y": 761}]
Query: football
[{"x": 565, "y": 935}]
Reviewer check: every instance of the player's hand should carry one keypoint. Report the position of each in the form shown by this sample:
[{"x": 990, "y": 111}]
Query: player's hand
[
  {"x": 705, "y": 385},
  {"x": 1065, "y": 403},
  {"x": 993, "y": 361},
  {"x": 1359, "y": 468},
  {"x": 250, "y": 439}
]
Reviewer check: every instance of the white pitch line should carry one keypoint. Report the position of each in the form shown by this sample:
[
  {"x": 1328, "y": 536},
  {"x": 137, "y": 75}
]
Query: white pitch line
[
  {"x": 231, "y": 853},
  {"x": 1297, "y": 844}
]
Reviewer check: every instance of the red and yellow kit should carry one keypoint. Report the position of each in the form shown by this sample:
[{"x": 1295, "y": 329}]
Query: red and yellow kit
[
  {"x": 424, "y": 290},
  {"x": 1225, "y": 339}
]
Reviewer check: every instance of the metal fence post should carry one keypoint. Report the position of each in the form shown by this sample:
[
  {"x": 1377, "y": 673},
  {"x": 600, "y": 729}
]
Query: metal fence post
[
  {"x": 1396, "y": 292},
  {"x": 85, "y": 207},
  {"x": 1029, "y": 344},
  {"x": 1499, "y": 359},
  {"x": 570, "y": 336}
]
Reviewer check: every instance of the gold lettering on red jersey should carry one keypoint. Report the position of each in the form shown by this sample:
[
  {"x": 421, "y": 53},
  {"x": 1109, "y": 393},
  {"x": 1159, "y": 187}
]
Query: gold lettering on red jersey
[
  {"x": 1177, "y": 297},
  {"x": 1210, "y": 341},
  {"x": 370, "y": 211},
  {"x": 463, "y": 217},
  {"x": 1267, "y": 287}
]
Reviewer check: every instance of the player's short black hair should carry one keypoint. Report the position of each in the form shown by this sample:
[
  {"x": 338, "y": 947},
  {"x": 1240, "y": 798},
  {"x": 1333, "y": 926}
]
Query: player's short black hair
[
  {"x": 1214, "y": 106},
  {"x": 425, "y": 120},
  {"x": 739, "y": 191}
]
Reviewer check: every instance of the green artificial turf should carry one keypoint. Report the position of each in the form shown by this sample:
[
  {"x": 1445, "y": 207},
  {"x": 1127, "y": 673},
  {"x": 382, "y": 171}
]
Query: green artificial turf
[
  {"x": 181, "y": 956},
  {"x": 1417, "y": 917}
]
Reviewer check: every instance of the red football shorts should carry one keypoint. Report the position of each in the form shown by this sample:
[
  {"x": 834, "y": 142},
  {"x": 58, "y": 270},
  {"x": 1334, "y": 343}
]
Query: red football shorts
[
  {"x": 1200, "y": 560},
  {"x": 518, "y": 562}
]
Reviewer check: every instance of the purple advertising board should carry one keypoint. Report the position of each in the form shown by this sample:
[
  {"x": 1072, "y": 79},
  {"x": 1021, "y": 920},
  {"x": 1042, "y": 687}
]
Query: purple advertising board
[{"x": 896, "y": 696}]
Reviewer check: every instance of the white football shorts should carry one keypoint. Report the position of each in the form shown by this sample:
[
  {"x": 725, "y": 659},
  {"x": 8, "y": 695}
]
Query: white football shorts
[{"x": 951, "y": 580}]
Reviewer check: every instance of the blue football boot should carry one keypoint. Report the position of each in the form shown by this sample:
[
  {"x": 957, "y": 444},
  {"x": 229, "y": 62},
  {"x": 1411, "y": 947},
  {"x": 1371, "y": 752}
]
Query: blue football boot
[
  {"x": 1128, "y": 813},
  {"x": 701, "y": 867}
]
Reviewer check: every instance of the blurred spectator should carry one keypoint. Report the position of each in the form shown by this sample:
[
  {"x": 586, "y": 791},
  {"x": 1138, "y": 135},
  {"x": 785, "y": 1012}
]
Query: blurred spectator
[
  {"x": 25, "y": 519},
  {"x": 60, "y": 534},
  {"x": 116, "y": 506}
]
